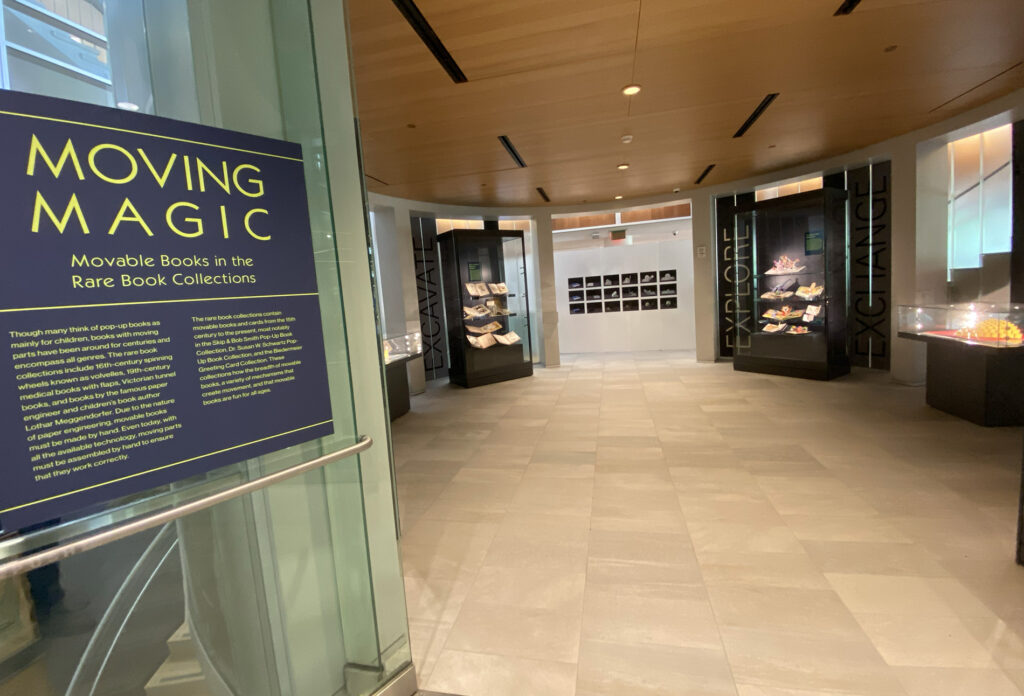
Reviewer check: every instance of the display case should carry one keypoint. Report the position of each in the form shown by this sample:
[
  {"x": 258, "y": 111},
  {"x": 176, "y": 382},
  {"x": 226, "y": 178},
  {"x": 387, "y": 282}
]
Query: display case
[
  {"x": 486, "y": 305},
  {"x": 975, "y": 359},
  {"x": 790, "y": 286},
  {"x": 402, "y": 348},
  {"x": 399, "y": 350},
  {"x": 995, "y": 326}
]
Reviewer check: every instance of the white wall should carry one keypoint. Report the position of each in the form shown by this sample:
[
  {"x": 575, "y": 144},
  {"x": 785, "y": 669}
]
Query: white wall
[{"x": 661, "y": 329}]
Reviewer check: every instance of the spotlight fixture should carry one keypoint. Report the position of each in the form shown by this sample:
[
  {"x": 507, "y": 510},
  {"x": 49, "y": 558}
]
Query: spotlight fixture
[
  {"x": 618, "y": 198},
  {"x": 630, "y": 90},
  {"x": 627, "y": 139},
  {"x": 128, "y": 106},
  {"x": 623, "y": 166}
]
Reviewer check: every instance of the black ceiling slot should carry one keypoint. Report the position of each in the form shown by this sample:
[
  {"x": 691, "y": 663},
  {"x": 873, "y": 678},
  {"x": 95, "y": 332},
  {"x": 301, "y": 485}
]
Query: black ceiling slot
[
  {"x": 429, "y": 37},
  {"x": 543, "y": 194},
  {"x": 512, "y": 151},
  {"x": 846, "y": 8},
  {"x": 756, "y": 114},
  {"x": 703, "y": 174}
]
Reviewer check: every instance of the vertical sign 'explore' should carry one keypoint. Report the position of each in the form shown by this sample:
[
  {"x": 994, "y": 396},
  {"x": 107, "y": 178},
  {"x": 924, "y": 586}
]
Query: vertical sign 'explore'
[{"x": 159, "y": 313}]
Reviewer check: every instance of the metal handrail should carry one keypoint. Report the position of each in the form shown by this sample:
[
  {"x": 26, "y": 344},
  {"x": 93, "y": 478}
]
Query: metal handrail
[{"x": 57, "y": 553}]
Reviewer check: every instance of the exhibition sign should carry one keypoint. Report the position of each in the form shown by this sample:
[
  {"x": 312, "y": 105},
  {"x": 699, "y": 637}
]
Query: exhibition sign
[{"x": 159, "y": 313}]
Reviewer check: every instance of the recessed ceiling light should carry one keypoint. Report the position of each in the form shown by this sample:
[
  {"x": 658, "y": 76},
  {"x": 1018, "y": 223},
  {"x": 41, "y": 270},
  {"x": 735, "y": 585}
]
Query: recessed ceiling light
[
  {"x": 623, "y": 166},
  {"x": 627, "y": 139},
  {"x": 630, "y": 90},
  {"x": 618, "y": 198}
]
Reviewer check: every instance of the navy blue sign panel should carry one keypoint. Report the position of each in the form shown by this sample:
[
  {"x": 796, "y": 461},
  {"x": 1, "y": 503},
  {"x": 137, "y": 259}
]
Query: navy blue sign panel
[{"x": 159, "y": 314}]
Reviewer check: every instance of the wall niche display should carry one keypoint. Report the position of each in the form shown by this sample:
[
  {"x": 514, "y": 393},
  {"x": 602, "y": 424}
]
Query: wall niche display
[
  {"x": 575, "y": 295},
  {"x": 630, "y": 278},
  {"x": 612, "y": 306},
  {"x": 669, "y": 303},
  {"x": 795, "y": 307},
  {"x": 648, "y": 304},
  {"x": 486, "y": 305},
  {"x": 630, "y": 305},
  {"x": 668, "y": 289},
  {"x": 611, "y": 280},
  {"x": 611, "y": 293},
  {"x": 648, "y": 291},
  {"x": 594, "y": 295},
  {"x": 593, "y": 281},
  {"x": 649, "y": 277},
  {"x": 594, "y": 308},
  {"x": 667, "y": 276},
  {"x": 575, "y": 283},
  {"x": 628, "y": 293},
  {"x": 577, "y": 309}
]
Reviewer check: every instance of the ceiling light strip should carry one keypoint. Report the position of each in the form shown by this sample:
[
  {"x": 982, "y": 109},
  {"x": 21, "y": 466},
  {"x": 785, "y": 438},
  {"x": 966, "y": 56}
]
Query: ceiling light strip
[
  {"x": 980, "y": 84},
  {"x": 543, "y": 194},
  {"x": 846, "y": 8},
  {"x": 512, "y": 151},
  {"x": 756, "y": 114},
  {"x": 703, "y": 174},
  {"x": 430, "y": 38}
]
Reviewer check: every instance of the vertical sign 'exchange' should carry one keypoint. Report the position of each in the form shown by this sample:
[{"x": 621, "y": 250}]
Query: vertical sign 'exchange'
[{"x": 159, "y": 314}]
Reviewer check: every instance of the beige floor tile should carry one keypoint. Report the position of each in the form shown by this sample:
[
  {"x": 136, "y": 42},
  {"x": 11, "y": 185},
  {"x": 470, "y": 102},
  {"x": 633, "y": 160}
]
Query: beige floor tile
[
  {"x": 844, "y": 527},
  {"x": 539, "y": 634},
  {"x": 906, "y": 595},
  {"x": 531, "y": 587},
  {"x": 521, "y": 552},
  {"x": 874, "y": 558},
  {"x": 925, "y": 641},
  {"x": 615, "y": 669},
  {"x": 742, "y": 569},
  {"x": 717, "y": 537},
  {"x": 1017, "y": 677},
  {"x": 672, "y": 549},
  {"x": 782, "y": 661},
  {"x": 753, "y": 690},
  {"x": 475, "y": 674},
  {"x": 571, "y": 529},
  {"x": 650, "y": 614},
  {"x": 791, "y": 610},
  {"x": 950, "y": 681}
]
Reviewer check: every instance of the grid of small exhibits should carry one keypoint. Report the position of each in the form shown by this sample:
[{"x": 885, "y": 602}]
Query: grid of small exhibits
[{"x": 623, "y": 292}]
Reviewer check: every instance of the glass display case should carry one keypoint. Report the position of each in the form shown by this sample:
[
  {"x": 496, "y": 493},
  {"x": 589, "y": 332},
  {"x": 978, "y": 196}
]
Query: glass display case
[
  {"x": 790, "y": 280},
  {"x": 486, "y": 305},
  {"x": 996, "y": 326},
  {"x": 402, "y": 348},
  {"x": 975, "y": 360}
]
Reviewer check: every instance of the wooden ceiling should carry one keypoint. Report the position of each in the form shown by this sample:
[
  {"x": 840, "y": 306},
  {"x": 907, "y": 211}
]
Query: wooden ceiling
[{"x": 549, "y": 73}]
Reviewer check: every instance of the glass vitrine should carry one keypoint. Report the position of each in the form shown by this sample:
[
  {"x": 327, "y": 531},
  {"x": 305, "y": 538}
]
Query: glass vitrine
[
  {"x": 486, "y": 305},
  {"x": 976, "y": 323},
  {"x": 790, "y": 286}
]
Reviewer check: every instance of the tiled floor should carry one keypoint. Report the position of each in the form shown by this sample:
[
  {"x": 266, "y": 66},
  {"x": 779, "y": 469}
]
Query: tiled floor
[{"x": 637, "y": 525}]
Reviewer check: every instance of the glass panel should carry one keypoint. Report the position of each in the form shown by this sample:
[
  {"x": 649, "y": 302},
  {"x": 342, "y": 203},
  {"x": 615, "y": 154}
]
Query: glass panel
[
  {"x": 517, "y": 300},
  {"x": 51, "y": 40},
  {"x": 966, "y": 211},
  {"x": 996, "y": 198},
  {"x": 270, "y": 594},
  {"x": 29, "y": 74}
]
